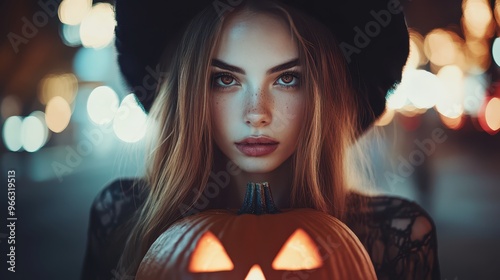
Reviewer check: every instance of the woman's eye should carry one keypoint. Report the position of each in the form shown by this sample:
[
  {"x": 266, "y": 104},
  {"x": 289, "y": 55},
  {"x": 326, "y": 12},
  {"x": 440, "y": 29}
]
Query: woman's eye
[
  {"x": 223, "y": 80},
  {"x": 289, "y": 80}
]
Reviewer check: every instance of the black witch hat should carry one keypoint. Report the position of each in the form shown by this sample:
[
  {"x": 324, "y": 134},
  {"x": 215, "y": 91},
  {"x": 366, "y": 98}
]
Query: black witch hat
[{"x": 371, "y": 33}]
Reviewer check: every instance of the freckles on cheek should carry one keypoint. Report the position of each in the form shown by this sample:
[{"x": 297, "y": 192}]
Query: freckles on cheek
[{"x": 219, "y": 109}]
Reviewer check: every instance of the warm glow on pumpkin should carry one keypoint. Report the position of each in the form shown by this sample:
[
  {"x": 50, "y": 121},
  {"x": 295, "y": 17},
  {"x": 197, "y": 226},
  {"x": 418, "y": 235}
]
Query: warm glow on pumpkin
[
  {"x": 299, "y": 252},
  {"x": 255, "y": 273},
  {"x": 210, "y": 255}
]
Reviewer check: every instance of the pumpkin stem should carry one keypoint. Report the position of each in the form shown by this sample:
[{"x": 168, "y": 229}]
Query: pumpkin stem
[{"x": 258, "y": 200}]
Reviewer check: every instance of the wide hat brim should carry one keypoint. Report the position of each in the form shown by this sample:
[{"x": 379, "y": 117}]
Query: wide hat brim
[{"x": 372, "y": 34}]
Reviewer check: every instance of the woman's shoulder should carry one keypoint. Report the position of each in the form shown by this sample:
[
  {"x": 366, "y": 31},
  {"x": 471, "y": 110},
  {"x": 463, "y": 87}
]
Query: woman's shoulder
[
  {"x": 399, "y": 235},
  {"x": 111, "y": 208},
  {"x": 393, "y": 210},
  {"x": 116, "y": 203}
]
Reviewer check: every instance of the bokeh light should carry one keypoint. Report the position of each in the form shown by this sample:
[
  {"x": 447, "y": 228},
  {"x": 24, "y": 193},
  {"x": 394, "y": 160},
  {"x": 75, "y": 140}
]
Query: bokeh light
[
  {"x": 417, "y": 56},
  {"x": 496, "y": 12},
  {"x": 413, "y": 60},
  {"x": 451, "y": 99},
  {"x": 386, "y": 117},
  {"x": 477, "y": 18},
  {"x": 442, "y": 47},
  {"x": 57, "y": 114},
  {"x": 72, "y": 12},
  {"x": 64, "y": 85},
  {"x": 420, "y": 87},
  {"x": 495, "y": 51},
  {"x": 12, "y": 133},
  {"x": 98, "y": 27},
  {"x": 130, "y": 121},
  {"x": 453, "y": 123},
  {"x": 396, "y": 99},
  {"x": 32, "y": 134},
  {"x": 70, "y": 35},
  {"x": 41, "y": 116},
  {"x": 102, "y": 105},
  {"x": 474, "y": 93},
  {"x": 492, "y": 114}
]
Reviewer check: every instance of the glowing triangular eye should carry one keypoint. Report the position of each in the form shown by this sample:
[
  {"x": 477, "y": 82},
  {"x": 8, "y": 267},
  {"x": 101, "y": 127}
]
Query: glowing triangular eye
[
  {"x": 299, "y": 252},
  {"x": 255, "y": 273},
  {"x": 210, "y": 255}
]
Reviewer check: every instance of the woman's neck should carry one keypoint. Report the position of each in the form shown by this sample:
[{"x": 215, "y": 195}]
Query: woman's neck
[{"x": 233, "y": 191}]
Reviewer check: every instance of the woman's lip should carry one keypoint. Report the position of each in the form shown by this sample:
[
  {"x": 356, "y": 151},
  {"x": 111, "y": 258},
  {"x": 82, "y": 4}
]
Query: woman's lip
[
  {"x": 255, "y": 150},
  {"x": 257, "y": 140}
]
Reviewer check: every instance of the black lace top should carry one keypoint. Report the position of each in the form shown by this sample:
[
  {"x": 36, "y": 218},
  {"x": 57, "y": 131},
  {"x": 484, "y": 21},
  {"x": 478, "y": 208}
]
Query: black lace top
[{"x": 399, "y": 235}]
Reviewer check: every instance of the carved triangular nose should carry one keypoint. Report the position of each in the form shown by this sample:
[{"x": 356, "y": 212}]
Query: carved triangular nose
[{"x": 255, "y": 273}]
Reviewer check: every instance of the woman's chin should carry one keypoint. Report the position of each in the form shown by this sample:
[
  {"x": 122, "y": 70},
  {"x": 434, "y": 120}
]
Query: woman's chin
[{"x": 257, "y": 165}]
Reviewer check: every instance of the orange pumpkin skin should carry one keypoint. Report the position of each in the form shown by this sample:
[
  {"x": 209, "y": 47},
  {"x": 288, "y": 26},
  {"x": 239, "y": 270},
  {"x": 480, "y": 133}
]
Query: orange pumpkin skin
[{"x": 256, "y": 239}]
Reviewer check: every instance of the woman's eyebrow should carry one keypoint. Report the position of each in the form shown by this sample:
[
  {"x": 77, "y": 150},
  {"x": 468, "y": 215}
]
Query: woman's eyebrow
[{"x": 283, "y": 66}]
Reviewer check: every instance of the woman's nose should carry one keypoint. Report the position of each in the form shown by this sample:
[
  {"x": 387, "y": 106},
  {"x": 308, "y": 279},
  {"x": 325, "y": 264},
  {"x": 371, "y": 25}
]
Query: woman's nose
[{"x": 258, "y": 109}]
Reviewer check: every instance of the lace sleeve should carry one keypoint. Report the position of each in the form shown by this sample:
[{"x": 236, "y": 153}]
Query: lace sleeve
[
  {"x": 111, "y": 208},
  {"x": 400, "y": 238}
]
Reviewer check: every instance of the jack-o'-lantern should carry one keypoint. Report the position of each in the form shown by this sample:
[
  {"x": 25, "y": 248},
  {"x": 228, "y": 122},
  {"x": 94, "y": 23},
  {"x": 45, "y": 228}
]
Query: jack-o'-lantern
[{"x": 259, "y": 242}]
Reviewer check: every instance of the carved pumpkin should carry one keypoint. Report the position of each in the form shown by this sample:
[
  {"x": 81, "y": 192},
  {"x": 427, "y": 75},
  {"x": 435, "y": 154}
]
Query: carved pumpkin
[{"x": 290, "y": 244}]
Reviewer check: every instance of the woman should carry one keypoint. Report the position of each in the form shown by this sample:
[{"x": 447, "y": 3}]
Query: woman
[{"x": 274, "y": 91}]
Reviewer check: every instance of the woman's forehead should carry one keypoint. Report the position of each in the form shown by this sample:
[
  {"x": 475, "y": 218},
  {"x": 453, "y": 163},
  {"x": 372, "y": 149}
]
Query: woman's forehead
[{"x": 256, "y": 38}]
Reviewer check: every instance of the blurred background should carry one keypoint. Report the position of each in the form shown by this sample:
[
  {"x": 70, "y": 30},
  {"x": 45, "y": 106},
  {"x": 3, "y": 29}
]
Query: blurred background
[{"x": 70, "y": 126}]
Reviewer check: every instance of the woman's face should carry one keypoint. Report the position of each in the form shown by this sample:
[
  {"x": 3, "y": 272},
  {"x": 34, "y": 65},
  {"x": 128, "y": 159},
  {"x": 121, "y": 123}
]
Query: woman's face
[{"x": 257, "y": 102}]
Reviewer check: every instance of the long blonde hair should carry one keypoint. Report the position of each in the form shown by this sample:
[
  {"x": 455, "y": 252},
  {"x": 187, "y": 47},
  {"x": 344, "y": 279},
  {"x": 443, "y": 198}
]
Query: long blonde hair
[{"x": 182, "y": 156}]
